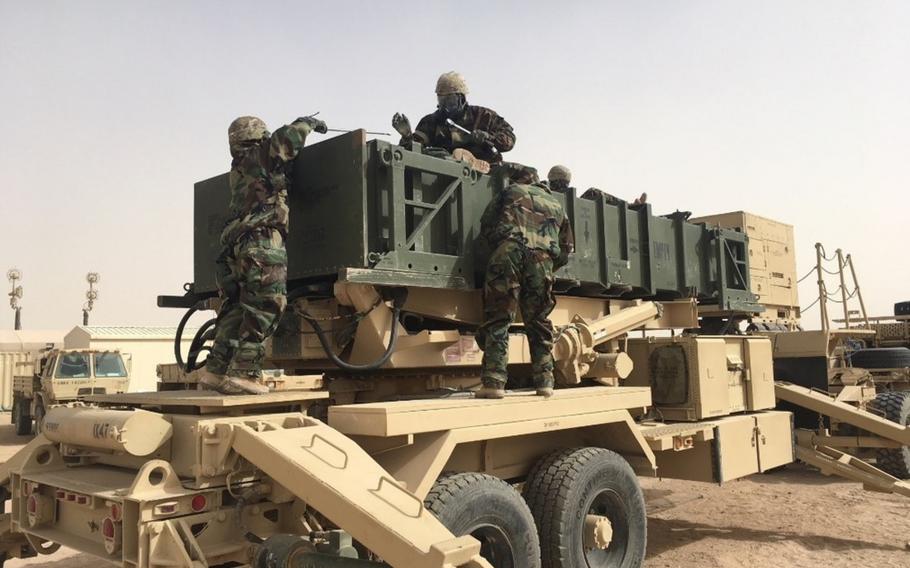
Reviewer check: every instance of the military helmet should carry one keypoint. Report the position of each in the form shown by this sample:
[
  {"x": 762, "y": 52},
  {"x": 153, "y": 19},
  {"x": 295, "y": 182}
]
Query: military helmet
[
  {"x": 451, "y": 82},
  {"x": 560, "y": 173},
  {"x": 246, "y": 129}
]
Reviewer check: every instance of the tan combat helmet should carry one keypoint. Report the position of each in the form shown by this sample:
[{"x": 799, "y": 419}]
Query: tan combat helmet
[
  {"x": 451, "y": 83},
  {"x": 560, "y": 173},
  {"x": 246, "y": 129}
]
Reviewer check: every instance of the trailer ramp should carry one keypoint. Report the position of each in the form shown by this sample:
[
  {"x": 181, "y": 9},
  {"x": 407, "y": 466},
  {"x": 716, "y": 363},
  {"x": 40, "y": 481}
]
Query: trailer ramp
[
  {"x": 825, "y": 404},
  {"x": 835, "y": 462},
  {"x": 331, "y": 473},
  {"x": 831, "y": 461}
]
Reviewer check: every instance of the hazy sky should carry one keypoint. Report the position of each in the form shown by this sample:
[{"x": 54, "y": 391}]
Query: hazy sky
[{"x": 798, "y": 111}]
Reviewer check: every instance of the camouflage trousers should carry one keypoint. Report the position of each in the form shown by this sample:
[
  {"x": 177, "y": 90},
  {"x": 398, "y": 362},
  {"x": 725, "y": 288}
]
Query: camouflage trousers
[
  {"x": 518, "y": 280},
  {"x": 253, "y": 280}
]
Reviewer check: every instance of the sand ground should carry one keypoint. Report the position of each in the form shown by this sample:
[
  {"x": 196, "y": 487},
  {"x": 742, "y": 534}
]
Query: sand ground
[{"x": 790, "y": 517}]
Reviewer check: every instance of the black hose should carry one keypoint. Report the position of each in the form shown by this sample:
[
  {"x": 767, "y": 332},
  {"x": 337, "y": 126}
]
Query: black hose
[
  {"x": 197, "y": 346},
  {"x": 178, "y": 337},
  {"x": 320, "y": 333}
]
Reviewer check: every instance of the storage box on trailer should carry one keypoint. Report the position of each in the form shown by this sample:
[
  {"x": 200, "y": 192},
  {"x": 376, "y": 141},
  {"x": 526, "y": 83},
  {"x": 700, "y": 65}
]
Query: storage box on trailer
[{"x": 699, "y": 377}]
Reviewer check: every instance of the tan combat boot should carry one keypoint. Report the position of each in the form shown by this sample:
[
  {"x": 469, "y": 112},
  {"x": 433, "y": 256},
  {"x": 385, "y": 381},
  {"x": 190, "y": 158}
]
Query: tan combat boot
[
  {"x": 205, "y": 379},
  {"x": 490, "y": 391},
  {"x": 242, "y": 385},
  {"x": 545, "y": 386}
]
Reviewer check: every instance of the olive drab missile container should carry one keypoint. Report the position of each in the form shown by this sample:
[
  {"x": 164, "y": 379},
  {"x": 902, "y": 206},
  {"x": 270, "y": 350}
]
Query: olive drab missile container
[
  {"x": 371, "y": 450},
  {"x": 413, "y": 219}
]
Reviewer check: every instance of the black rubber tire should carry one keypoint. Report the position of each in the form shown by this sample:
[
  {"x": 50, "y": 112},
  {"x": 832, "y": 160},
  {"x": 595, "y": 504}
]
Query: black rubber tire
[
  {"x": 881, "y": 358},
  {"x": 564, "y": 487},
  {"x": 902, "y": 309},
  {"x": 895, "y": 406},
  {"x": 14, "y": 412},
  {"x": 24, "y": 419},
  {"x": 493, "y": 512}
]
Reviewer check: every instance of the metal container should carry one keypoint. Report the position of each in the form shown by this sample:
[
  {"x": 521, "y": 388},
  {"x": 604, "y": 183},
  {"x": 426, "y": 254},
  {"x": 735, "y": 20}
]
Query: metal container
[{"x": 375, "y": 212}]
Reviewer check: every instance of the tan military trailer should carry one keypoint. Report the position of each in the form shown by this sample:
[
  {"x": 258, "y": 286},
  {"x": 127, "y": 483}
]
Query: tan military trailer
[
  {"x": 60, "y": 377},
  {"x": 372, "y": 450}
]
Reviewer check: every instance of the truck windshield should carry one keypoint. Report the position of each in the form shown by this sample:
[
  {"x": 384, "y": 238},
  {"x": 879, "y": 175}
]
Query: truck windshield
[
  {"x": 109, "y": 365},
  {"x": 73, "y": 366}
]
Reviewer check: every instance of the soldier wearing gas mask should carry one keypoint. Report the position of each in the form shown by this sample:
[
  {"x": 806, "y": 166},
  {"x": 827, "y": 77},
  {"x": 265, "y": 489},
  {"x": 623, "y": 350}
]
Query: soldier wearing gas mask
[{"x": 477, "y": 129}]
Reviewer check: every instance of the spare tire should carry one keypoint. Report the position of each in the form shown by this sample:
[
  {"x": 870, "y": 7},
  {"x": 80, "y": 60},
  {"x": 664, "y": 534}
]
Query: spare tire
[
  {"x": 895, "y": 406},
  {"x": 881, "y": 358}
]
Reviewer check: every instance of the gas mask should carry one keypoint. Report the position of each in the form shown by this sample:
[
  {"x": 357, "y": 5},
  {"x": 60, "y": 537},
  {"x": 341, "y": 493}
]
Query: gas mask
[{"x": 451, "y": 104}]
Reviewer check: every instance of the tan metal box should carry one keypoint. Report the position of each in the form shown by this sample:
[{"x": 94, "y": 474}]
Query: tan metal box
[
  {"x": 698, "y": 377},
  {"x": 739, "y": 446},
  {"x": 772, "y": 262}
]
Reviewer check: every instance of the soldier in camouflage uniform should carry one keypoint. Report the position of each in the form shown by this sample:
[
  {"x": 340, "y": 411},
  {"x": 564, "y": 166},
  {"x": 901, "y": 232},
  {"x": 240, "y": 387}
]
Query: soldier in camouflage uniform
[
  {"x": 559, "y": 179},
  {"x": 253, "y": 262},
  {"x": 530, "y": 238},
  {"x": 490, "y": 133}
]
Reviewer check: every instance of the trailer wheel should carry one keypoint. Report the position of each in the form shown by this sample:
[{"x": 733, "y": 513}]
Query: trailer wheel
[
  {"x": 490, "y": 510},
  {"x": 24, "y": 419},
  {"x": 895, "y": 406},
  {"x": 589, "y": 509}
]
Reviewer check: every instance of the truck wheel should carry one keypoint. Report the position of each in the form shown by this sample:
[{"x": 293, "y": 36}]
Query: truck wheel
[
  {"x": 23, "y": 419},
  {"x": 491, "y": 511},
  {"x": 896, "y": 407},
  {"x": 881, "y": 358},
  {"x": 14, "y": 414},
  {"x": 589, "y": 509}
]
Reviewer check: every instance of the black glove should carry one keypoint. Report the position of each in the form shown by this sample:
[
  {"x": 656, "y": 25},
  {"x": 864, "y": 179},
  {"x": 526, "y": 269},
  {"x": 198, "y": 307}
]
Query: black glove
[
  {"x": 401, "y": 124},
  {"x": 482, "y": 137},
  {"x": 315, "y": 123}
]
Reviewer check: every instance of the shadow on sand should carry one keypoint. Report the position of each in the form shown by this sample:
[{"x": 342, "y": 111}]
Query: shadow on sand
[{"x": 665, "y": 535}]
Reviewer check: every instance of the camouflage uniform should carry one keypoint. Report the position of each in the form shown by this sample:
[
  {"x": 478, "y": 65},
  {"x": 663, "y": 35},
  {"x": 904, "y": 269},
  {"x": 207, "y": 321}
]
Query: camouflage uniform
[
  {"x": 530, "y": 237},
  {"x": 253, "y": 262},
  {"x": 432, "y": 130}
]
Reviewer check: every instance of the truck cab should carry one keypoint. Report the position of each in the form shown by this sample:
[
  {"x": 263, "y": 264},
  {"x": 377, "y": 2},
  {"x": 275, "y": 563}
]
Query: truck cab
[{"x": 61, "y": 376}]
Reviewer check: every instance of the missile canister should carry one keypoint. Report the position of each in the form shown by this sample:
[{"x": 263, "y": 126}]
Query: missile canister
[{"x": 135, "y": 432}]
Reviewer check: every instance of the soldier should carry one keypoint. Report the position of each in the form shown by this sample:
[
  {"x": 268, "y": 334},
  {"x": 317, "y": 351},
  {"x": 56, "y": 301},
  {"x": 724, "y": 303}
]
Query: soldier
[
  {"x": 490, "y": 134},
  {"x": 530, "y": 238},
  {"x": 559, "y": 178},
  {"x": 253, "y": 261}
]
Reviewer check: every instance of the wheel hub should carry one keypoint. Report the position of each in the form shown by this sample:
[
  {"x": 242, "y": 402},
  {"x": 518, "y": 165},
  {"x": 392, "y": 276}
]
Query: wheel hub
[{"x": 598, "y": 532}]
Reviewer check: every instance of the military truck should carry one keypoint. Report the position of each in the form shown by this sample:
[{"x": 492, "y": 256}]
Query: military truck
[
  {"x": 62, "y": 376},
  {"x": 371, "y": 450}
]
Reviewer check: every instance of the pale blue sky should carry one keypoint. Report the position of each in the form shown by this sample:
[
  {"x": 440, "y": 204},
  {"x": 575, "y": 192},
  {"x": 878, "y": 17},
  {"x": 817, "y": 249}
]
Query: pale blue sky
[{"x": 798, "y": 111}]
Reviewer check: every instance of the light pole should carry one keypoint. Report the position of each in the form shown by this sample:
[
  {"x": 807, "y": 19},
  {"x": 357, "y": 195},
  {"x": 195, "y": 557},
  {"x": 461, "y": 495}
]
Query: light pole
[
  {"x": 14, "y": 275},
  {"x": 91, "y": 295}
]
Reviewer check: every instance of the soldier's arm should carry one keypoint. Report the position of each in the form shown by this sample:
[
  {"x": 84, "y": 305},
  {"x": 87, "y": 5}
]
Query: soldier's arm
[
  {"x": 422, "y": 134},
  {"x": 503, "y": 135},
  {"x": 288, "y": 141},
  {"x": 566, "y": 244}
]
